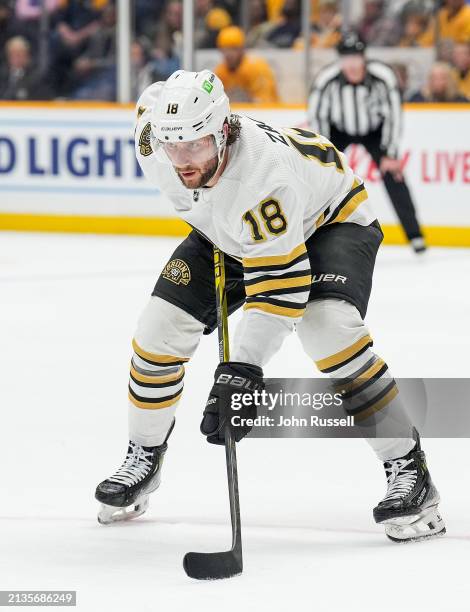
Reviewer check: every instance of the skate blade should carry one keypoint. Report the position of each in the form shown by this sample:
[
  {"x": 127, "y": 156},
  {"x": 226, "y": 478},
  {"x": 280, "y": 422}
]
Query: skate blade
[
  {"x": 112, "y": 514},
  {"x": 428, "y": 524}
]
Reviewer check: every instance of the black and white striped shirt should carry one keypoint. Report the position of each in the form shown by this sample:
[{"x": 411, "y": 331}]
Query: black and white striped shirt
[{"x": 358, "y": 109}]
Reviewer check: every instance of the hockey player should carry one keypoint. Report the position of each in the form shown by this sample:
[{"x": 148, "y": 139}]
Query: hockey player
[{"x": 282, "y": 205}]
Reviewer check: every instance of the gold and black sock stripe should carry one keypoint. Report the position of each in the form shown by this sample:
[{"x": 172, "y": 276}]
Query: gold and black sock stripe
[
  {"x": 361, "y": 380},
  {"x": 345, "y": 356},
  {"x": 153, "y": 403},
  {"x": 376, "y": 401},
  {"x": 157, "y": 360},
  {"x": 156, "y": 381},
  {"x": 367, "y": 390},
  {"x": 154, "y": 384}
]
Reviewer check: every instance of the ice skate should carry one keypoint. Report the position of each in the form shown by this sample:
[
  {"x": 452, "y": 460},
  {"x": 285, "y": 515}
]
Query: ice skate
[
  {"x": 125, "y": 495},
  {"x": 409, "y": 510}
]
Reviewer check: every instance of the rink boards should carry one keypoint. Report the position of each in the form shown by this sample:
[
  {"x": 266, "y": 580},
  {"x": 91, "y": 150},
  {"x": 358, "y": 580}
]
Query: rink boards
[{"x": 71, "y": 167}]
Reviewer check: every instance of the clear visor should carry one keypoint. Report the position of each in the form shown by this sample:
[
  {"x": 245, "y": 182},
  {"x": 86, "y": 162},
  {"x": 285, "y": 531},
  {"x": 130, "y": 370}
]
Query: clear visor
[{"x": 189, "y": 153}]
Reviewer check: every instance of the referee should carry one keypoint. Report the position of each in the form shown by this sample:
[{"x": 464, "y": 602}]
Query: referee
[{"x": 358, "y": 101}]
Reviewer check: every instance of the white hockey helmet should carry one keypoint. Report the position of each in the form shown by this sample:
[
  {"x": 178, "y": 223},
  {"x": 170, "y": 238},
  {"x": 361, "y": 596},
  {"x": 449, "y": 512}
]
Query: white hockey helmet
[{"x": 191, "y": 105}]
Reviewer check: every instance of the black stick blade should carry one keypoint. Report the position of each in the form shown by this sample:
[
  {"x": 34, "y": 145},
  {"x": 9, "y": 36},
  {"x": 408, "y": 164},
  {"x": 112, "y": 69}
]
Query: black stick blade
[{"x": 212, "y": 566}]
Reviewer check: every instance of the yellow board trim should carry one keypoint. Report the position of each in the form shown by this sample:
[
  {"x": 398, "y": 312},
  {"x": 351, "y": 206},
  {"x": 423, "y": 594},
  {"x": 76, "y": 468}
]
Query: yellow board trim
[
  {"x": 151, "y": 406},
  {"x": 277, "y": 310},
  {"x": 144, "y": 226},
  {"x": 274, "y": 260},
  {"x": 160, "y": 379},
  {"x": 362, "y": 416},
  {"x": 283, "y": 283},
  {"x": 435, "y": 235},
  {"x": 169, "y": 359},
  {"x": 92, "y": 104},
  {"x": 337, "y": 358}
]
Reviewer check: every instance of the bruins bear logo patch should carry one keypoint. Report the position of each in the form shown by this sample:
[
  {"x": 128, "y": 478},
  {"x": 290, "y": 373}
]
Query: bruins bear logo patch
[
  {"x": 177, "y": 271},
  {"x": 145, "y": 147}
]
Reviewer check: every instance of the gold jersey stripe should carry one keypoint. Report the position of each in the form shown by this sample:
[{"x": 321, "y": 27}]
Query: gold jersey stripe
[
  {"x": 384, "y": 401},
  {"x": 156, "y": 358},
  {"x": 272, "y": 309},
  {"x": 274, "y": 283},
  {"x": 345, "y": 354},
  {"x": 274, "y": 260},
  {"x": 320, "y": 220},
  {"x": 153, "y": 405},
  {"x": 157, "y": 379},
  {"x": 351, "y": 206},
  {"x": 366, "y": 375}
]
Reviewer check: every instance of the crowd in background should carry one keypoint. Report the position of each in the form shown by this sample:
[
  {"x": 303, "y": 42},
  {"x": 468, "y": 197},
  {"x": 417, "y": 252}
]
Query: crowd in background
[{"x": 71, "y": 53}]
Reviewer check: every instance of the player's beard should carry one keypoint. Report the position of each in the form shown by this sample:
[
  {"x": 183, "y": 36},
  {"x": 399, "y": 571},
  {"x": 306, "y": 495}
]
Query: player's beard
[{"x": 203, "y": 174}]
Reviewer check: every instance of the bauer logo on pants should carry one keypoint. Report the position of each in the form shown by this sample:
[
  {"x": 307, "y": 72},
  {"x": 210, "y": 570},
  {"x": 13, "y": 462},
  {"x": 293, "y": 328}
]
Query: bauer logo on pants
[{"x": 177, "y": 271}]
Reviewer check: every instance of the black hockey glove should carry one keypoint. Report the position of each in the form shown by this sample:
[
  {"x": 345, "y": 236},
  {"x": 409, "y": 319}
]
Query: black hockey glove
[{"x": 231, "y": 380}]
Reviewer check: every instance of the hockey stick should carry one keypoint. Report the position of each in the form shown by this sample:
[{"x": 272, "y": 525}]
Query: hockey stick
[{"x": 213, "y": 566}]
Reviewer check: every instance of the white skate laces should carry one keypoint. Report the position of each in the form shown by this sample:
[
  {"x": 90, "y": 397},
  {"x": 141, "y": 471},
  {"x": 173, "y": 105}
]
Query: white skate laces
[
  {"x": 400, "y": 481},
  {"x": 136, "y": 466}
]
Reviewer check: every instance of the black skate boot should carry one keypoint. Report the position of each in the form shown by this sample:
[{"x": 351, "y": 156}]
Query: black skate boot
[
  {"x": 125, "y": 495},
  {"x": 409, "y": 509}
]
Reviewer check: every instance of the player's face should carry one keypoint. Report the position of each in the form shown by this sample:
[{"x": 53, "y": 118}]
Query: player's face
[
  {"x": 353, "y": 67},
  {"x": 195, "y": 162}
]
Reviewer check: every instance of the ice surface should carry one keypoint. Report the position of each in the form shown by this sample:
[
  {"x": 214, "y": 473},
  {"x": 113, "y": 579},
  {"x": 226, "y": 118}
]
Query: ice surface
[{"x": 68, "y": 309}]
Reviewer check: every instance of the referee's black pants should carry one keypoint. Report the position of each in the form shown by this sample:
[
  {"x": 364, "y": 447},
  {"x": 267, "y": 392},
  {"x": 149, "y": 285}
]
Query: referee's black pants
[{"x": 398, "y": 191}]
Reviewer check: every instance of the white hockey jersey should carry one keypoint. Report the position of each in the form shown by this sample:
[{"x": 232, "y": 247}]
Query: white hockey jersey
[{"x": 278, "y": 187}]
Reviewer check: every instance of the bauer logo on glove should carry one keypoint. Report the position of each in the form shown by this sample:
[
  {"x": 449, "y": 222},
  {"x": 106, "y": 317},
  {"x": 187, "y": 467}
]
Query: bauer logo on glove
[{"x": 230, "y": 377}]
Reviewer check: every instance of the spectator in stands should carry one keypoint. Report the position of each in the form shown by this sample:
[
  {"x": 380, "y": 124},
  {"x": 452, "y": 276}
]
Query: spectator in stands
[
  {"x": 260, "y": 26},
  {"x": 454, "y": 21},
  {"x": 147, "y": 68},
  {"x": 217, "y": 19},
  {"x": 28, "y": 15},
  {"x": 416, "y": 30},
  {"x": 147, "y": 14},
  {"x": 274, "y": 9},
  {"x": 441, "y": 86},
  {"x": 288, "y": 29},
  {"x": 76, "y": 23},
  {"x": 163, "y": 64},
  {"x": 461, "y": 63},
  {"x": 95, "y": 69},
  {"x": 19, "y": 78},
  {"x": 167, "y": 36},
  {"x": 401, "y": 72},
  {"x": 141, "y": 70},
  {"x": 326, "y": 29},
  {"x": 209, "y": 20},
  {"x": 377, "y": 28},
  {"x": 245, "y": 78},
  {"x": 8, "y": 26}
]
